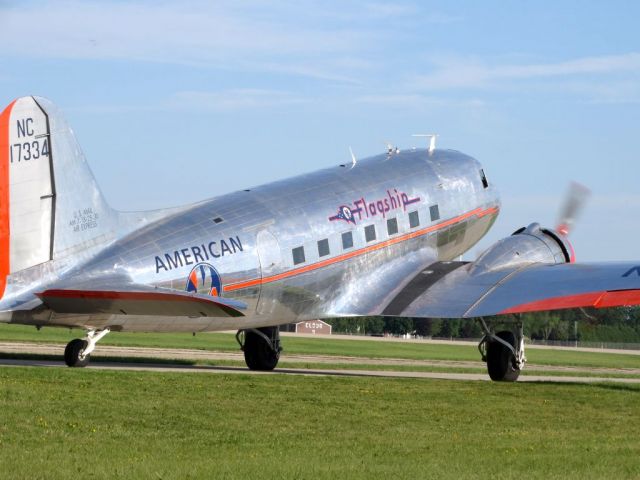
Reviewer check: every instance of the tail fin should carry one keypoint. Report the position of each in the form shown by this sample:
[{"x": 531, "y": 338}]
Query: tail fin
[{"x": 50, "y": 204}]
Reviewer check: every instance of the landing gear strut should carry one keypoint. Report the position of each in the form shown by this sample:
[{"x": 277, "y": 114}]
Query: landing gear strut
[
  {"x": 261, "y": 347},
  {"x": 503, "y": 352},
  {"x": 78, "y": 351}
]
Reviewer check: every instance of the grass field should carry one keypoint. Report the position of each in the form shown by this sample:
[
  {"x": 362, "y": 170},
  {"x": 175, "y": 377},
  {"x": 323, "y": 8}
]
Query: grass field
[
  {"x": 57, "y": 423},
  {"x": 341, "y": 347},
  {"x": 62, "y": 423}
]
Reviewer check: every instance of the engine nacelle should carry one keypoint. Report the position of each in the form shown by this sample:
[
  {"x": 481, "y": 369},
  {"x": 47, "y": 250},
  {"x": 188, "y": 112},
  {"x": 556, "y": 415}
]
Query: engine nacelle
[{"x": 532, "y": 244}]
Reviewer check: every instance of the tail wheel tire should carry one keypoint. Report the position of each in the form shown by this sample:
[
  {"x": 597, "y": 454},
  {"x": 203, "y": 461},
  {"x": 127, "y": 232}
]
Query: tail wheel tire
[
  {"x": 258, "y": 354},
  {"x": 73, "y": 353},
  {"x": 500, "y": 360}
]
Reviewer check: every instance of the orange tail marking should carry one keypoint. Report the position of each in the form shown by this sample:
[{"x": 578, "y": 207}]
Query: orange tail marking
[{"x": 5, "y": 233}]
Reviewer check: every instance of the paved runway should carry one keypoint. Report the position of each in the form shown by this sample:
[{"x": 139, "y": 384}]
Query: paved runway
[{"x": 156, "y": 367}]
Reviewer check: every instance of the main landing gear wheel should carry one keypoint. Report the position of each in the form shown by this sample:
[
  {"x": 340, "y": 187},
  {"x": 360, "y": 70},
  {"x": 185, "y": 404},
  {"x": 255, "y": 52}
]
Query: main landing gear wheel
[
  {"x": 503, "y": 352},
  {"x": 501, "y": 360},
  {"x": 77, "y": 353},
  {"x": 74, "y": 355},
  {"x": 261, "y": 347}
]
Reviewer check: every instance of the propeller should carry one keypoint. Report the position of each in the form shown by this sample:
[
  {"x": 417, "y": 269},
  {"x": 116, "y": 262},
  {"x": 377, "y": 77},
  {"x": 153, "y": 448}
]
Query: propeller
[{"x": 572, "y": 206}]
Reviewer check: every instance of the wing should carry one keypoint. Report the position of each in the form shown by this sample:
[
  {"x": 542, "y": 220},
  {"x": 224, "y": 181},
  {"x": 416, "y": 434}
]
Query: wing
[
  {"x": 459, "y": 290},
  {"x": 133, "y": 299}
]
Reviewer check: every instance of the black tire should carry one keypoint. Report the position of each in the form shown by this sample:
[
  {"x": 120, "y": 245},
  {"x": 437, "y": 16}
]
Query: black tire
[
  {"x": 500, "y": 360},
  {"x": 258, "y": 355},
  {"x": 72, "y": 353}
]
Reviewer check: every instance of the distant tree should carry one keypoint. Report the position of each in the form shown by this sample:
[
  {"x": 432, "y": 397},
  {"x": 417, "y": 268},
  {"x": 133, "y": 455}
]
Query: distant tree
[
  {"x": 373, "y": 325},
  {"x": 607, "y": 325},
  {"x": 427, "y": 327},
  {"x": 357, "y": 325},
  {"x": 397, "y": 325},
  {"x": 634, "y": 318},
  {"x": 470, "y": 328},
  {"x": 450, "y": 327},
  {"x": 342, "y": 325}
]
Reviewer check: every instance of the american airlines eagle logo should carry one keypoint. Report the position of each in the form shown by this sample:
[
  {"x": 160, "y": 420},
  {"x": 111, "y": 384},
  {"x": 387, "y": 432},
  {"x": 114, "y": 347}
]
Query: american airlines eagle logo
[
  {"x": 344, "y": 213},
  {"x": 204, "y": 279}
]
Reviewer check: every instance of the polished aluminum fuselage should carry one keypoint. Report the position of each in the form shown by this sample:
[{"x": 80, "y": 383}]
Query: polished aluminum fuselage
[{"x": 249, "y": 238}]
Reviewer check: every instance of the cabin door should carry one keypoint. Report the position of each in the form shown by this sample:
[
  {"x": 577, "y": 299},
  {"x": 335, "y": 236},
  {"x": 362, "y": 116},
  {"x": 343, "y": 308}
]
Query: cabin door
[{"x": 270, "y": 265}]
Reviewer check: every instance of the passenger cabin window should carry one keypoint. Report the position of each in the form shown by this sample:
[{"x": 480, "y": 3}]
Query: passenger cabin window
[
  {"x": 298, "y": 255},
  {"x": 414, "y": 219},
  {"x": 434, "y": 211},
  {"x": 392, "y": 226},
  {"x": 485, "y": 183},
  {"x": 370, "y": 233},
  {"x": 323, "y": 248},
  {"x": 347, "y": 240}
]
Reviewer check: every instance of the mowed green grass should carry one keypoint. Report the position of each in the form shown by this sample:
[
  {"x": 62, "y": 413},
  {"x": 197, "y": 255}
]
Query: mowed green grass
[
  {"x": 322, "y": 346},
  {"x": 73, "y": 423}
]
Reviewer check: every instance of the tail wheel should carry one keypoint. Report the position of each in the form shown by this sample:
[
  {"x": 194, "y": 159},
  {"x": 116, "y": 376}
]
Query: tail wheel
[
  {"x": 74, "y": 355},
  {"x": 259, "y": 354},
  {"x": 501, "y": 362}
]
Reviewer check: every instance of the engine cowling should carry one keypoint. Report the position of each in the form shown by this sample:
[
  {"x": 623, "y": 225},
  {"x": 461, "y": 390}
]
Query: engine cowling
[{"x": 532, "y": 244}]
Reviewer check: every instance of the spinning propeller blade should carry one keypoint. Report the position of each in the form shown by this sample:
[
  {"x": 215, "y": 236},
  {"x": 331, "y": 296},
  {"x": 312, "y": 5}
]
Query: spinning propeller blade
[{"x": 574, "y": 202}]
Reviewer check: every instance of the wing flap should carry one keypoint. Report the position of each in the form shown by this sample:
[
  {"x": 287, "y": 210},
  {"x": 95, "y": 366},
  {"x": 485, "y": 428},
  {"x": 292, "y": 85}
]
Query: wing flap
[
  {"x": 421, "y": 282},
  {"x": 139, "y": 300}
]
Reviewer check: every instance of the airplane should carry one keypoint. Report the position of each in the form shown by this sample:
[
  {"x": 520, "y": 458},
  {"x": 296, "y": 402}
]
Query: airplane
[{"x": 377, "y": 236}]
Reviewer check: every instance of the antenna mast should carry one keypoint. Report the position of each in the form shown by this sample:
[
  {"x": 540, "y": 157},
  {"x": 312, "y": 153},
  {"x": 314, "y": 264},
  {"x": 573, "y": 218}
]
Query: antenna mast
[{"x": 432, "y": 140}]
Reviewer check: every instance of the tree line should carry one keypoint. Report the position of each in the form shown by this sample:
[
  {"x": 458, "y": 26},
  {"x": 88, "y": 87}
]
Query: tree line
[{"x": 584, "y": 324}]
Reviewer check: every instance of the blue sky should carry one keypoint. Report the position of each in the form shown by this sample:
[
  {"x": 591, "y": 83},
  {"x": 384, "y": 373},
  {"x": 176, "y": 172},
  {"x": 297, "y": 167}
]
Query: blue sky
[{"x": 174, "y": 102}]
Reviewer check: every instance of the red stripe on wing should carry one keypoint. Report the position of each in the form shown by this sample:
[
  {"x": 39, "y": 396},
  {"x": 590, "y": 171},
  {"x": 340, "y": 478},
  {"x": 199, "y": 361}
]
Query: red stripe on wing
[{"x": 604, "y": 299}]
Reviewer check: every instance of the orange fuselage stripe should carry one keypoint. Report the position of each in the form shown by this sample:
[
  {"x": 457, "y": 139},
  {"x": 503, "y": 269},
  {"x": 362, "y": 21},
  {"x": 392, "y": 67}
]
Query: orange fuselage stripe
[
  {"x": 5, "y": 231},
  {"x": 479, "y": 212}
]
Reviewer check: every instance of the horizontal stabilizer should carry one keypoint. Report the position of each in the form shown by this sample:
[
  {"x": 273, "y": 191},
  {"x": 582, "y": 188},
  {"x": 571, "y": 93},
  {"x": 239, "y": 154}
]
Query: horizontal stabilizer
[{"x": 140, "y": 301}]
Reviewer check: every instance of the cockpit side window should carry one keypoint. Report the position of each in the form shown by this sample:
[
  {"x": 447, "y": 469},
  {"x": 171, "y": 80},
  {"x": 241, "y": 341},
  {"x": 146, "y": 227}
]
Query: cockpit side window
[{"x": 483, "y": 177}]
